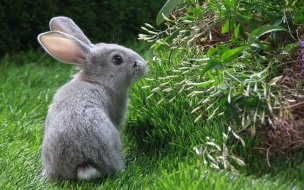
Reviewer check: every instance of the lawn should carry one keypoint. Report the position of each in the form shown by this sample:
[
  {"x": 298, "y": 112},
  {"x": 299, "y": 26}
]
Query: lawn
[{"x": 158, "y": 138}]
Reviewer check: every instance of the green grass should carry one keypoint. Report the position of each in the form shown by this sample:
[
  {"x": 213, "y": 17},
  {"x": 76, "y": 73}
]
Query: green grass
[{"x": 158, "y": 139}]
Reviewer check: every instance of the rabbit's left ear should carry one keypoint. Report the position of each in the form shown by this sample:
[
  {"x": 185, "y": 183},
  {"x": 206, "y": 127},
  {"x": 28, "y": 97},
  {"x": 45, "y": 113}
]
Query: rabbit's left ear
[
  {"x": 68, "y": 26},
  {"x": 64, "y": 47}
]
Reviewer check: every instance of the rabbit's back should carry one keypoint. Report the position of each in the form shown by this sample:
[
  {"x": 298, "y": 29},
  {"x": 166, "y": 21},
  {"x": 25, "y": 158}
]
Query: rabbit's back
[
  {"x": 79, "y": 133},
  {"x": 79, "y": 95}
]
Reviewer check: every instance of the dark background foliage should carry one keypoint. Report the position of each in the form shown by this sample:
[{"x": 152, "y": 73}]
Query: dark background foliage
[{"x": 114, "y": 21}]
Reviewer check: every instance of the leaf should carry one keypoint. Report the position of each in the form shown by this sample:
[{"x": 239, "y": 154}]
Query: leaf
[
  {"x": 237, "y": 98},
  {"x": 226, "y": 27},
  {"x": 198, "y": 60},
  {"x": 258, "y": 45},
  {"x": 263, "y": 30},
  {"x": 220, "y": 75},
  {"x": 243, "y": 33},
  {"x": 250, "y": 101},
  {"x": 299, "y": 16},
  {"x": 267, "y": 29},
  {"x": 228, "y": 5},
  {"x": 241, "y": 17},
  {"x": 217, "y": 94},
  {"x": 252, "y": 24},
  {"x": 211, "y": 51},
  {"x": 277, "y": 22},
  {"x": 166, "y": 10},
  {"x": 211, "y": 76},
  {"x": 231, "y": 113},
  {"x": 224, "y": 86},
  {"x": 212, "y": 64},
  {"x": 157, "y": 46},
  {"x": 232, "y": 54},
  {"x": 202, "y": 84},
  {"x": 289, "y": 47},
  {"x": 237, "y": 30},
  {"x": 299, "y": 19},
  {"x": 224, "y": 101},
  {"x": 235, "y": 40},
  {"x": 198, "y": 12}
]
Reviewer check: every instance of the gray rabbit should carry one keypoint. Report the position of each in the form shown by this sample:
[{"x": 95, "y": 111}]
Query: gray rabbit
[{"x": 82, "y": 130}]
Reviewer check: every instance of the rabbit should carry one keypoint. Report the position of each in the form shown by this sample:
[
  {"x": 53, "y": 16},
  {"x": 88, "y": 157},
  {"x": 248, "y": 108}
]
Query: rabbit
[{"x": 81, "y": 138}]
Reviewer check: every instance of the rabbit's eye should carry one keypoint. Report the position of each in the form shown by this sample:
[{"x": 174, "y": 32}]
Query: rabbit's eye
[{"x": 117, "y": 60}]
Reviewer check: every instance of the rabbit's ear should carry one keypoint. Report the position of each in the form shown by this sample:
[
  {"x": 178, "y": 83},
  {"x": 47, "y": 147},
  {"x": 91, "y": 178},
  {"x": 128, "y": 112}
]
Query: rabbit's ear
[
  {"x": 64, "y": 47},
  {"x": 68, "y": 26}
]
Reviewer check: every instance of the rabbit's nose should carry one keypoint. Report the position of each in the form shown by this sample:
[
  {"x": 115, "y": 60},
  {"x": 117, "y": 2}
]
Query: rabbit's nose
[{"x": 135, "y": 64}]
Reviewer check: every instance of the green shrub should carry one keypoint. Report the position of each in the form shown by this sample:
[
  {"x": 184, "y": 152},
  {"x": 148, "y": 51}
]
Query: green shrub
[
  {"x": 107, "y": 21},
  {"x": 229, "y": 55}
]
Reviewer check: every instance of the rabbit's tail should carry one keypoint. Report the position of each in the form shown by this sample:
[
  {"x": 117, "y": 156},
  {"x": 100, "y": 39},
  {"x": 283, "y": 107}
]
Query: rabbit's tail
[{"x": 88, "y": 172}]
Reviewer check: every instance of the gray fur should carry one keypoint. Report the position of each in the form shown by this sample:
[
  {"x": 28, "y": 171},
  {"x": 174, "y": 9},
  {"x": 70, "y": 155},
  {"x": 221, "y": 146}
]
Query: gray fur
[{"x": 82, "y": 130}]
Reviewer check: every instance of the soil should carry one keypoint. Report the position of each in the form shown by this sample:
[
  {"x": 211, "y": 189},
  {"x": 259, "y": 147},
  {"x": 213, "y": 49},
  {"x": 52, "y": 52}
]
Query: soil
[{"x": 287, "y": 132}]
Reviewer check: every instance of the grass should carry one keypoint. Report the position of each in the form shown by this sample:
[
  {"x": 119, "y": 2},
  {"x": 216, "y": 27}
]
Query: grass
[{"x": 158, "y": 139}]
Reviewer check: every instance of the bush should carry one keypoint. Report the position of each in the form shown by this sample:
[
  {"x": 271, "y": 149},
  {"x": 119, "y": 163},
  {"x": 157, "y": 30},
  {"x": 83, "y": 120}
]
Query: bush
[
  {"x": 230, "y": 60},
  {"x": 106, "y": 21}
]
